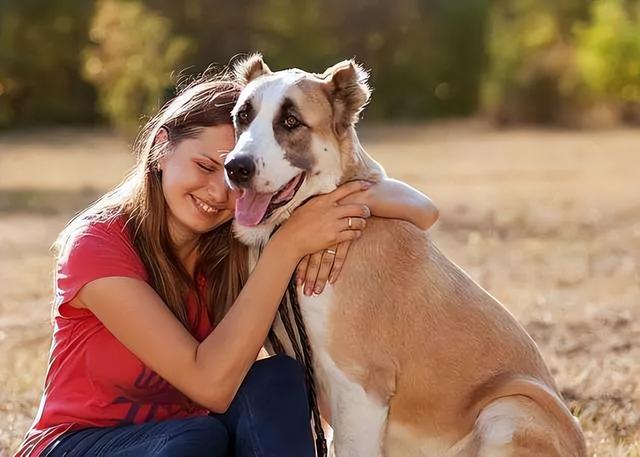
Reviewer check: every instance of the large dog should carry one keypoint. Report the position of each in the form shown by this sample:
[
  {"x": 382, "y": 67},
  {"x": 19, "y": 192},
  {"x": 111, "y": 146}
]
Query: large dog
[{"x": 412, "y": 356}]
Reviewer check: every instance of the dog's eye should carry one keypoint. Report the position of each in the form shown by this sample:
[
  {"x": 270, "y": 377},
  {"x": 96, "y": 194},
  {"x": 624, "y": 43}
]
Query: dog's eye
[
  {"x": 243, "y": 115},
  {"x": 291, "y": 122}
]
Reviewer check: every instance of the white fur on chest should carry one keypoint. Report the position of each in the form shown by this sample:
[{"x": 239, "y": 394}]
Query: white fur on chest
[{"x": 358, "y": 420}]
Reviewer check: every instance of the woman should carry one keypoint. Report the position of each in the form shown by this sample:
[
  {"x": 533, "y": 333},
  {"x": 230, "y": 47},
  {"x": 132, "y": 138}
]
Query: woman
[{"x": 157, "y": 323}]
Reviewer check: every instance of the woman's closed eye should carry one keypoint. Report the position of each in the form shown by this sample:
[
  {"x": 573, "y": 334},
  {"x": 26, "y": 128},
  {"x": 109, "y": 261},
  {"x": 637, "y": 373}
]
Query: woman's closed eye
[{"x": 209, "y": 168}]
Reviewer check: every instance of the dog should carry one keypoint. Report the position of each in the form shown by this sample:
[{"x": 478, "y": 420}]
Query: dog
[{"x": 412, "y": 356}]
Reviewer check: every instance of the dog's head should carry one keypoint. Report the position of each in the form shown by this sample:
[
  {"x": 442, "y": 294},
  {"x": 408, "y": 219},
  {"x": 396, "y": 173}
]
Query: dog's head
[{"x": 293, "y": 134}]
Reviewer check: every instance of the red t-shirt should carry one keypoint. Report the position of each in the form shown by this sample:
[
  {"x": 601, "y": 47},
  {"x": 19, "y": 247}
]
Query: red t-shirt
[{"x": 92, "y": 379}]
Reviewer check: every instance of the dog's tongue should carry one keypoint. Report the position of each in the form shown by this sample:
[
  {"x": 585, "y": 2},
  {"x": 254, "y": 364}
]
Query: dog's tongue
[{"x": 251, "y": 206}]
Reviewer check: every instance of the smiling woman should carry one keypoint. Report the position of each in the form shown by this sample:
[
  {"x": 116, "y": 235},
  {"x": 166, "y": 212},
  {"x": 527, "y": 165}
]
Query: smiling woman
[
  {"x": 158, "y": 323},
  {"x": 193, "y": 182}
]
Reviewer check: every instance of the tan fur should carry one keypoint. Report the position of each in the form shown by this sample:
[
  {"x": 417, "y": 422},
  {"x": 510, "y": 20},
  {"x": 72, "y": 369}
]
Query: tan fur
[
  {"x": 349, "y": 93},
  {"x": 438, "y": 346},
  {"x": 250, "y": 68},
  {"x": 426, "y": 337}
]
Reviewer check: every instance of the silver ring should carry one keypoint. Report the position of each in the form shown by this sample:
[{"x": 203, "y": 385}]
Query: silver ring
[
  {"x": 330, "y": 251},
  {"x": 349, "y": 223}
]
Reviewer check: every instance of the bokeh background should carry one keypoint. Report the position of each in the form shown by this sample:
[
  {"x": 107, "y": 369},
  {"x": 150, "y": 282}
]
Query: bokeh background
[{"x": 518, "y": 117}]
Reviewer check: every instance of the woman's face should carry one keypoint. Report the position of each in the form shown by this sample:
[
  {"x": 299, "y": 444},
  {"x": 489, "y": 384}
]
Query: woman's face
[{"x": 193, "y": 182}]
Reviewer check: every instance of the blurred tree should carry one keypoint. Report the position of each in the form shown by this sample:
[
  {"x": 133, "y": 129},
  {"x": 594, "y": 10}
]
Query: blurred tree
[
  {"x": 219, "y": 29},
  {"x": 608, "y": 55},
  {"x": 527, "y": 60},
  {"x": 426, "y": 56},
  {"x": 131, "y": 59},
  {"x": 532, "y": 75},
  {"x": 296, "y": 33},
  {"x": 40, "y": 44}
]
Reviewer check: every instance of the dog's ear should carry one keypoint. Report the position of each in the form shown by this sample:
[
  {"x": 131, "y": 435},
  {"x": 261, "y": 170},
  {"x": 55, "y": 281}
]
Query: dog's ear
[
  {"x": 349, "y": 93},
  {"x": 250, "y": 68}
]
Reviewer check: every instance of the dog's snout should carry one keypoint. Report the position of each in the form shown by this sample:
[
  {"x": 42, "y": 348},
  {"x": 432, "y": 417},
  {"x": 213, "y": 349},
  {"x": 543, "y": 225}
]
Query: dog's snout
[{"x": 240, "y": 169}]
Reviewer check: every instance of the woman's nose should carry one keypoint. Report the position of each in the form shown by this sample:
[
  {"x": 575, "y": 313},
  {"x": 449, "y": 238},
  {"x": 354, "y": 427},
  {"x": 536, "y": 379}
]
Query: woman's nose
[{"x": 217, "y": 189}]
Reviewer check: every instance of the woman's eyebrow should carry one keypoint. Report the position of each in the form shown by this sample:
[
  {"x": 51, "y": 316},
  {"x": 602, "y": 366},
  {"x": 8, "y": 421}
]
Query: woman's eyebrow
[{"x": 203, "y": 154}]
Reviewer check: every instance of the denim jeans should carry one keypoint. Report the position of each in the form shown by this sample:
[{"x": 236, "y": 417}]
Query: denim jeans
[{"x": 269, "y": 417}]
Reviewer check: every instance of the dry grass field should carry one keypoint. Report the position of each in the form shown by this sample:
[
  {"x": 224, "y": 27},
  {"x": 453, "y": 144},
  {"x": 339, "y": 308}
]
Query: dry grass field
[{"x": 547, "y": 221}]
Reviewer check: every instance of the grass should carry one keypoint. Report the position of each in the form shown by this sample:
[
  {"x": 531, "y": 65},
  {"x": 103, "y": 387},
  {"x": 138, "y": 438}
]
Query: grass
[{"x": 547, "y": 221}]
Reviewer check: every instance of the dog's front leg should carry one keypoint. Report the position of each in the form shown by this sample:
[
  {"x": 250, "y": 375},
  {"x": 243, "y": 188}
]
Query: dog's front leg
[{"x": 359, "y": 421}]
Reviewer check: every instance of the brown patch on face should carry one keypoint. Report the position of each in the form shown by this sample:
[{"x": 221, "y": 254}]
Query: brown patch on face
[
  {"x": 313, "y": 96},
  {"x": 294, "y": 136},
  {"x": 308, "y": 96}
]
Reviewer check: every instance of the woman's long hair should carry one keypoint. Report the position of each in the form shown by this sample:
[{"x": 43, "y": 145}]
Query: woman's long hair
[{"x": 222, "y": 260}]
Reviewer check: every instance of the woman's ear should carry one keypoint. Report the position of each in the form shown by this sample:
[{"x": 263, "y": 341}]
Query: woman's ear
[{"x": 162, "y": 136}]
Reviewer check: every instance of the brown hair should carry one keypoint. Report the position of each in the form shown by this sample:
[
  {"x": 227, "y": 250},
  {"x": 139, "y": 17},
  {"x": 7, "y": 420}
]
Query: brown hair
[{"x": 222, "y": 260}]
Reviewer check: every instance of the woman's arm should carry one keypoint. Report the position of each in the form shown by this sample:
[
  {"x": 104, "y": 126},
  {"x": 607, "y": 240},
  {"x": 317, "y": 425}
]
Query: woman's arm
[
  {"x": 211, "y": 372},
  {"x": 394, "y": 199}
]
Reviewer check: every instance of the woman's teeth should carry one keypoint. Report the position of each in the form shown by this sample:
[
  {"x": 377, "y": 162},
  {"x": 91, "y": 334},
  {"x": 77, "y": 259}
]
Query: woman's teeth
[{"x": 204, "y": 207}]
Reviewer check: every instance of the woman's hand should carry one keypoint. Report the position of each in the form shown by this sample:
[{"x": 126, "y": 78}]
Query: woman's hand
[
  {"x": 324, "y": 222},
  {"x": 315, "y": 269},
  {"x": 387, "y": 199}
]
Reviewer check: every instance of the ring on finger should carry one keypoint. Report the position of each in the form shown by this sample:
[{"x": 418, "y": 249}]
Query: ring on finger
[
  {"x": 349, "y": 223},
  {"x": 330, "y": 251}
]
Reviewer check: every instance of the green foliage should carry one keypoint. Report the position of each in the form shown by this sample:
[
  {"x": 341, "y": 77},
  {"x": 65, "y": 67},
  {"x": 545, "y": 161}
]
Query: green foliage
[
  {"x": 295, "y": 32},
  {"x": 131, "y": 60},
  {"x": 608, "y": 51},
  {"x": 543, "y": 61},
  {"x": 40, "y": 46},
  {"x": 531, "y": 77},
  {"x": 426, "y": 57}
]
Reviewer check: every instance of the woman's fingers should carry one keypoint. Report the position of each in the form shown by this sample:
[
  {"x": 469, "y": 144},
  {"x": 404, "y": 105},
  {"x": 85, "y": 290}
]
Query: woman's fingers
[
  {"x": 322, "y": 223},
  {"x": 312, "y": 272},
  {"x": 301, "y": 271},
  {"x": 354, "y": 210},
  {"x": 348, "y": 189},
  {"x": 353, "y": 223},
  {"x": 338, "y": 262},
  {"x": 348, "y": 235},
  {"x": 326, "y": 264}
]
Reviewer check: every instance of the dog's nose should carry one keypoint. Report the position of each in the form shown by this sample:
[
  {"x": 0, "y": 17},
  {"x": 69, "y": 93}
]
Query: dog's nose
[{"x": 240, "y": 169}]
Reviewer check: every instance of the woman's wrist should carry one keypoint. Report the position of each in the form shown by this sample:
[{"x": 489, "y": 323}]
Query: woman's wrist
[{"x": 280, "y": 244}]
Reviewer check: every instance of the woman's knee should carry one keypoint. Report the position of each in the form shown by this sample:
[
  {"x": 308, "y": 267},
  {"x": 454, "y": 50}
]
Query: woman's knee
[
  {"x": 199, "y": 436},
  {"x": 279, "y": 373}
]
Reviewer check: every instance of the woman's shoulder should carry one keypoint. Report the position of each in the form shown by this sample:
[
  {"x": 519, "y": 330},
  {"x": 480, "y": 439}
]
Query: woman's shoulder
[
  {"x": 97, "y": 241},
  {"x": 115, "y": 225},
  {"x": 106, "y": 231},
  {"x": 96, "y": 249}
]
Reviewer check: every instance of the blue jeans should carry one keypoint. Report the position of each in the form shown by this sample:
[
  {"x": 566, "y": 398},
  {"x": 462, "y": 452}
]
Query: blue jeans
[{"x": 269, "y": 417}]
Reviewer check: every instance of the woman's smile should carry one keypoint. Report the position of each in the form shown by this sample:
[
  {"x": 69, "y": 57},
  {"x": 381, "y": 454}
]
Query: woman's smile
[{"x": 205, "y": 208}]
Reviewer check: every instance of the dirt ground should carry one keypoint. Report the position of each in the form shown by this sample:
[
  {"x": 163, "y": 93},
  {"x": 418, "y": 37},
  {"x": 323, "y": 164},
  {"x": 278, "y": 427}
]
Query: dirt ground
[{"x": 547, "y": 221}]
